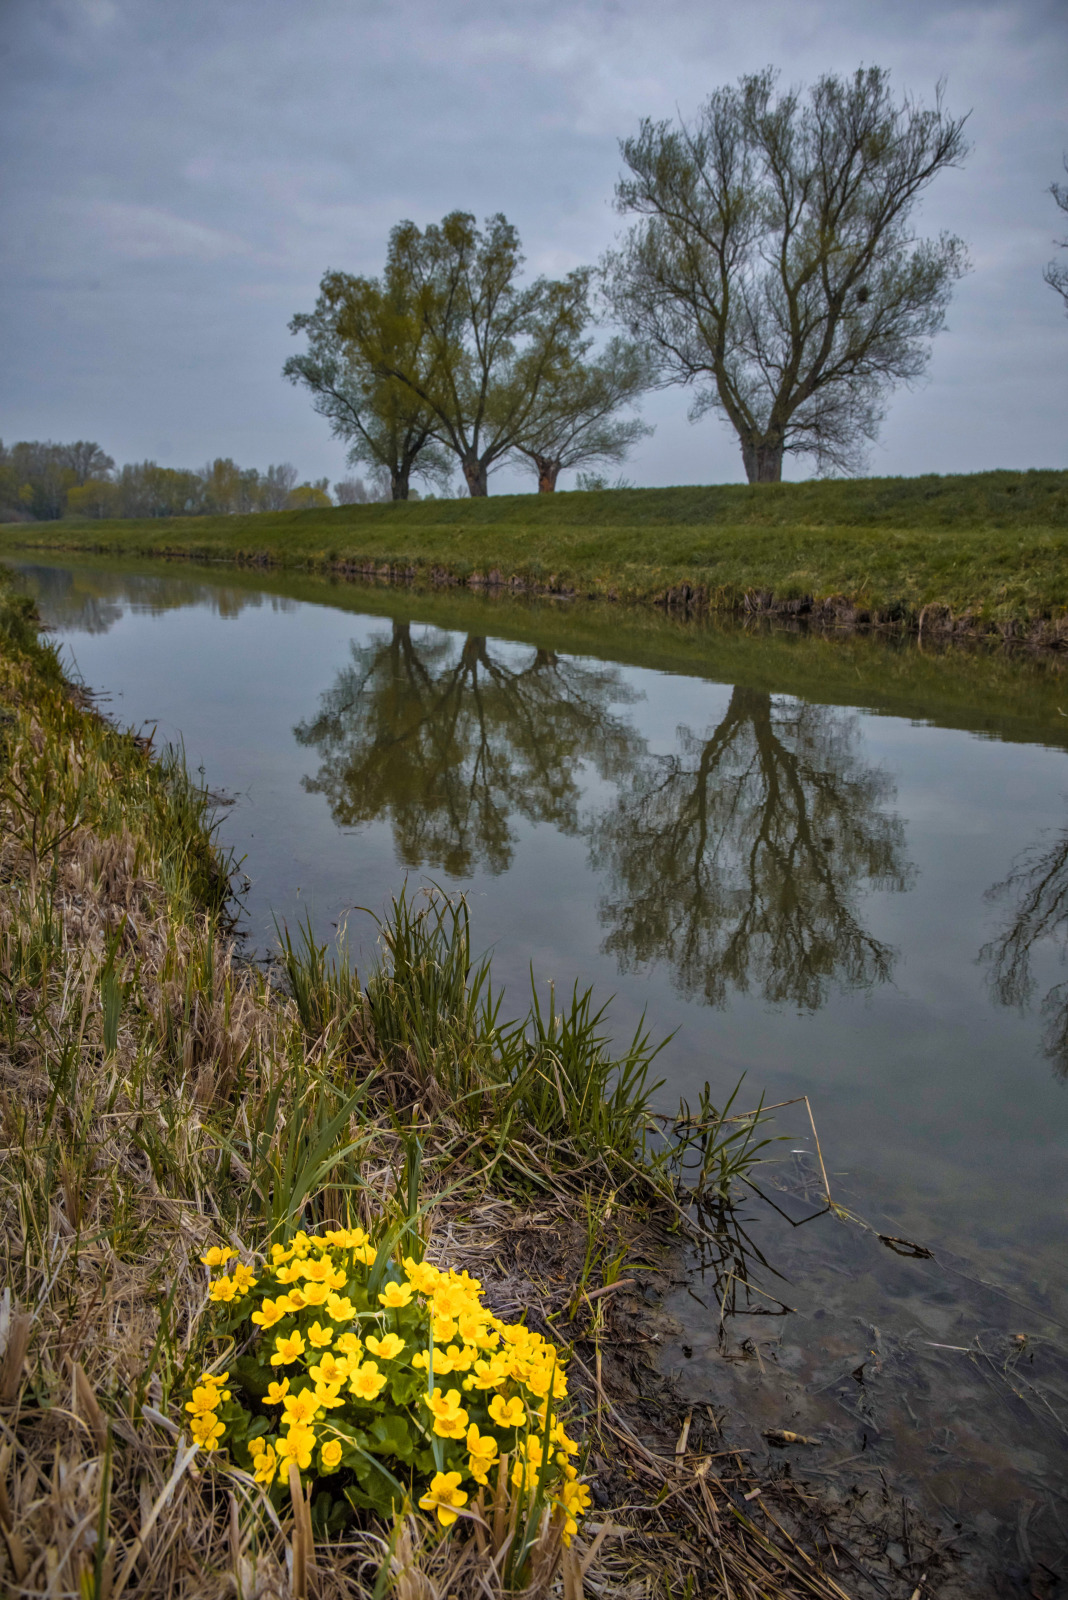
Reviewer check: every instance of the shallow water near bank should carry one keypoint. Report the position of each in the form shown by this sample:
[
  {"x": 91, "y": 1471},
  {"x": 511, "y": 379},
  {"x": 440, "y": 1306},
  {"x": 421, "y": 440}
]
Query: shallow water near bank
[{"x": 839, "y": 867}]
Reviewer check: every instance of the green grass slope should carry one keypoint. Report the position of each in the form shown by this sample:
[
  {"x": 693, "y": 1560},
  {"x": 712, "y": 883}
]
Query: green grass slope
[{"x": 992, "y": 545}]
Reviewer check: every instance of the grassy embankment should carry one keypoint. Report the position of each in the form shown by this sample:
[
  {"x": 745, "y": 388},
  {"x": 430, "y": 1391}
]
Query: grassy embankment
[
  {"x": 159, "y": 1097},
  {"x": 989, "y": 550}
]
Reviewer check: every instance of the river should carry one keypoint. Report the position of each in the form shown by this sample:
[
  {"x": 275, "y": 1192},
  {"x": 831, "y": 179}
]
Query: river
[{"x": 836, "y": 867}]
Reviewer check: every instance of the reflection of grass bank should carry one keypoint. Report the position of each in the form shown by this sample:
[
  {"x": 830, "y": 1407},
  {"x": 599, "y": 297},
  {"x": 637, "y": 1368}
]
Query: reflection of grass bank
[
  {"x": 159, "y": 1097},
  {"x": 989, "y": 548},
  {"x": 1008, "y": 694}
]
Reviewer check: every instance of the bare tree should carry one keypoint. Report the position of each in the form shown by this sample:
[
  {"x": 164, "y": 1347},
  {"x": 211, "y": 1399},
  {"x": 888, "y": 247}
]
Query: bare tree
[
  {"x": 276, "y": 485},
  {"x": 1056, "y": 273},
  {"x": 86, "y": 460},
  {"x": 775, "y": 268},
  {"x": 578, "y": 425}
]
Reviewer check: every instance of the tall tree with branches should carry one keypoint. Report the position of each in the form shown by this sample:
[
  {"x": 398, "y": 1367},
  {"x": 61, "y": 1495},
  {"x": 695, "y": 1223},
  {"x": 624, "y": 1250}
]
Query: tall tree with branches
[
  {"x": 1056, "y": 273},
  {"x": 774, "y": 267},
  {"x": 467, "y": 341},
  {"x": 385, "y": 424},
  {"x": 578, "y": 423}
]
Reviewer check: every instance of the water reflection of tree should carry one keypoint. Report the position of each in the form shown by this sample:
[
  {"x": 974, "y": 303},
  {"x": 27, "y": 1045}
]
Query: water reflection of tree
[
  {"x": 93, "y": 601},
  {"x": 738, "y": 860},
  {"x": 449, "y": 744},
  {"x": 1037, "y": 886}
]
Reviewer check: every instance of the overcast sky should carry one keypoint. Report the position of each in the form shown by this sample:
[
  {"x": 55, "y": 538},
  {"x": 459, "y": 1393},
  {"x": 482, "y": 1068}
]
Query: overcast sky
[{"x": 178, "y": 174}]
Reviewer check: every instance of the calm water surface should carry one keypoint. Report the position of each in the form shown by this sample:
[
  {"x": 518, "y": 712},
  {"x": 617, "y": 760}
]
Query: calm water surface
[{"x": 840, "y": 868}]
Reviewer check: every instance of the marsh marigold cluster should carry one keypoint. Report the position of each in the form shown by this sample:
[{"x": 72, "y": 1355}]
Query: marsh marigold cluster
[{"x": 382, "y": 1382}]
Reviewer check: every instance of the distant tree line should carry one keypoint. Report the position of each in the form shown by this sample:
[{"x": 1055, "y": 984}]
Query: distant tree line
[{"x": 44, "y": 481}]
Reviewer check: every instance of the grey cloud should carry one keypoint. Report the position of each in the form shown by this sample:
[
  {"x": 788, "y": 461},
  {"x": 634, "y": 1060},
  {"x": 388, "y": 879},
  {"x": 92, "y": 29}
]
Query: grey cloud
[{"x": 204, "y": 164}]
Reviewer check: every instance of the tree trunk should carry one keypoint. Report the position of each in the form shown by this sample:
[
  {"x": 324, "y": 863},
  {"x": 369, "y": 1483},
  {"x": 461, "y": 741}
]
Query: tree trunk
[
  {"x": 398, "y": 482},
  {"x": 548, "y": 472},
  {"x": 475, "y": 476},
  {"x": 763, "y": 460}
]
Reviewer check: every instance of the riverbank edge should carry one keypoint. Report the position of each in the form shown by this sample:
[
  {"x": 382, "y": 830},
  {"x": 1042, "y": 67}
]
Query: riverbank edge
[
  {"x": 114, "y": 895},
  {"x": 1043, "y": 629}
]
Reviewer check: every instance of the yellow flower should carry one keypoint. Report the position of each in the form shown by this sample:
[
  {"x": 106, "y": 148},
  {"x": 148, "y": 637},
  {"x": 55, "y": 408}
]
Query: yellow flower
[
  {"x": 507, "y": 1413},
  {"x": 481, "y": 1453},
  {"x": 348, "y": 1344},
  {"x": 489, "y": 1374},
  {"x": 472, "y": 1326},
  {"x": 276, "y": 1393},
  {"x": 450, "y": 1418},
  {"x": 287, "y": 1348},
  {"x": 290, "y": 1274},
  {"x": 207, "y": 1431},
  {"x": 297, "y": 1445},
  {"x": 443, "y": 1328},
  {"x": 205, "y": 1400},
  {"x": 329, "y": 1369},
  {"x": 326, "y": 1394},
  {"x": 330, "y": 1455},
  {"x": 318, "y": 1271},
  {"x": 367, "y": 1382},
  {"x": 345, "y": 1238},
  {"x": 575, "y": 1499},
  {"x": 301, "y": 1407},
  {"x": 366, "y": 1253},
  {"x": 223, "y": 1289},
  {"x": 319, "y": 1336},
  {"x": 243, "y": 1279},
  {"x": 423, "y": 1278},
  {"x": 265, "y": 1462},
  {"x": 461, "y": 1356},
  {"x": 388, "y": 1348},
  {"x": 443, "y": 1494},
  {"x": 270, "y": 1312},
  {"x": 218, "y": 1256},
  {"x": 340, "y": 1308},
  {"x": 280, "y": 1253},
  {"x": 296, "y": 1300},
  {"x": 313, "y": 1294},
  {"x": 395, "y": 1295},
  {"x": 217, "y": 1378}
]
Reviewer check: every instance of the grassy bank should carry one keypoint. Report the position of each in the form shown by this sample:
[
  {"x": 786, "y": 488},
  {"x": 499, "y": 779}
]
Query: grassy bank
[
  {"x": 986, "y": 550},
  {"x": 158, "y": 1098}
]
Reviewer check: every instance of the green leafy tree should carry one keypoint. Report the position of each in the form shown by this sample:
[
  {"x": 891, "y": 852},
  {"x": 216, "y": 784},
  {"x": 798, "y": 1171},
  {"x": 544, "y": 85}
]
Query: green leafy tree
[
  {"x": 385, "y": 423},
  {"x": 97, "y": 498},
  {"x": 310, "y": 496},
  {"x": 449, "y": 745},
  {"x": 451, "y": 323},
  {"x": 737, "y": 860},
  {"x": 774, "y": 267},
  {"x": 577, "y": 423},
  {"x": 145, "y": 489}
]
